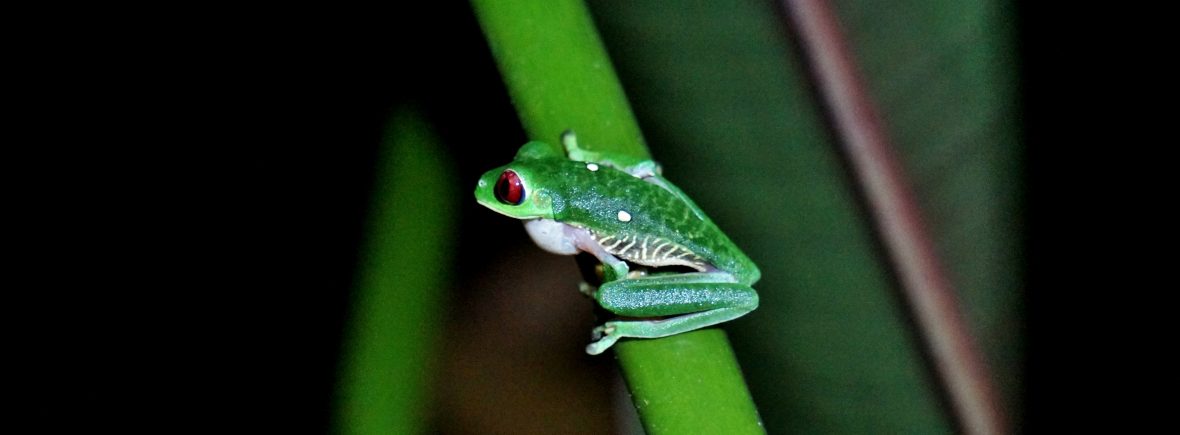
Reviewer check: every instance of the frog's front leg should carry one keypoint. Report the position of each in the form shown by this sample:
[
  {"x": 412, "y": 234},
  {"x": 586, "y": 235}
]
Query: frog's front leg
[
  {"x": 613, "y": 268},
  {"x": 641, "y": 169},
  {"x": 685, "y": 302}
]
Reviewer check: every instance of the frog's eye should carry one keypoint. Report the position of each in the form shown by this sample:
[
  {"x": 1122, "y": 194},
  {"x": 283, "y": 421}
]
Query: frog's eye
[{"x": 509, "y": 189}]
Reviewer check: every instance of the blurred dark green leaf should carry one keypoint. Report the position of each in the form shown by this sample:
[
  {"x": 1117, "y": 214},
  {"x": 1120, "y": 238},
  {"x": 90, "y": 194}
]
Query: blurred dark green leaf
[{"x": 403, "y": 275}]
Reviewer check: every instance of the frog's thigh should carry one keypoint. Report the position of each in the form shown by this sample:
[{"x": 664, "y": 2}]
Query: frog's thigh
[{"x": 675, "y": 294}]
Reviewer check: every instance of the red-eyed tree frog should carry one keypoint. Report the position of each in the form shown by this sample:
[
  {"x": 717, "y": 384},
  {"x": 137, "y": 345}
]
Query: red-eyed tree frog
[{"x": 639, "y": 226}]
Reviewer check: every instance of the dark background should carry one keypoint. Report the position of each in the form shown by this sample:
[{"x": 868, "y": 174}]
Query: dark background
[{"x": 186, "y": 230}]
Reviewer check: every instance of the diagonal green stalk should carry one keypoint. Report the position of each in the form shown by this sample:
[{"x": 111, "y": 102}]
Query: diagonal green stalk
[
  {"x": 560, "y": 77},
  {"x": 558, "y": 74}
]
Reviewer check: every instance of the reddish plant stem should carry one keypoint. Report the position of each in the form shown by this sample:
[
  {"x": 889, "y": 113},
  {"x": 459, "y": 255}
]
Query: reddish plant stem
[{"x": 927, "y": 292}]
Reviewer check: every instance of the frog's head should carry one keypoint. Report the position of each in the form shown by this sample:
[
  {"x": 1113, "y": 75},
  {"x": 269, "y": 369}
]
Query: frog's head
[{"x": 518, "y": 190}]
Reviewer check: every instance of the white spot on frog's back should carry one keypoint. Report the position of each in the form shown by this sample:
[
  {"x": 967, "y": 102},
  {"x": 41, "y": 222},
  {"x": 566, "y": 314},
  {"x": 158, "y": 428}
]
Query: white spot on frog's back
[
  {"x": 551, "y": 236},
  {"x": 624, "y": 216},
  {"x": 592, "y": 167}
]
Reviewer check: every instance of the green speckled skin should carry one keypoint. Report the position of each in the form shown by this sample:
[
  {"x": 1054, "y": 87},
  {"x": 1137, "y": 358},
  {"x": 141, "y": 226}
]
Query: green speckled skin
[{"x": 661, "y": 220}]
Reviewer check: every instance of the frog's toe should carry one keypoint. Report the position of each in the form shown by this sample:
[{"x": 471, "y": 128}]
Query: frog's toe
[
  {"x": 602, "y": 344},
  {"x": 601, "y": 331},
  {"x": 587, "y": 289}
]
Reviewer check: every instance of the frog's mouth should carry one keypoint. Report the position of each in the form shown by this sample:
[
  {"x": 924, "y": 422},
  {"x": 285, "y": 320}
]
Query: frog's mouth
[{"x": 503, "y": 209}]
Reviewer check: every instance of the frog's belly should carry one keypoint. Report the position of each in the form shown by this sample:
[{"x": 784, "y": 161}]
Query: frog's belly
[{"x": 650, "y": 251}]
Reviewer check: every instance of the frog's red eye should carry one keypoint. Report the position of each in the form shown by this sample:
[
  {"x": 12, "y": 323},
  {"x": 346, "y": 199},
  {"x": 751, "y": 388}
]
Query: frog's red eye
[{"x": 509, "y": 189}]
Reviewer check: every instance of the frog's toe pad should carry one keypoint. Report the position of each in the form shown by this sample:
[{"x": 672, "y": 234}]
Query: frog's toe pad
[
  {"x": 602, "y": 345},
  {"x": 601, "y": 331},
  {"x": 604, "y": 337},
  {"x": 587, "y": 289}
]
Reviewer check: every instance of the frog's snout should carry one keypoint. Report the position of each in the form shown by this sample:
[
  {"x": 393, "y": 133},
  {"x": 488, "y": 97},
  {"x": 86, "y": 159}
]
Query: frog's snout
[{"x": 482, "y": 189}]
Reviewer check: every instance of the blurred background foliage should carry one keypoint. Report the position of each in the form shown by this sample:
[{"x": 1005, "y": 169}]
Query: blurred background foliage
[
  {"x": 207, "y": 227},
  {"x": 456, "y": 324}
]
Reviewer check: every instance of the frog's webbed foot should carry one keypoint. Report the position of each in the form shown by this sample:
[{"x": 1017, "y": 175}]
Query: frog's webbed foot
[
  {"x": 569, "y": 141},
  {"x": 603, "y": 338},
  {"x": 586, "y": 289},
  {"x": 644, "y": 170}
]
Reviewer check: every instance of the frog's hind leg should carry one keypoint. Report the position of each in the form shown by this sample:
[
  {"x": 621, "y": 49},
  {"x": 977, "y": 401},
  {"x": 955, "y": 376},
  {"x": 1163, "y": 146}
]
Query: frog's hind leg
[
  {"x": 693, "y": 300},
  {"x": 611, "y": 332}
]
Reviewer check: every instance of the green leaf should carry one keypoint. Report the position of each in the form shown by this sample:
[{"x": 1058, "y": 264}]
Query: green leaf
[{"x": 401, "y": 278}]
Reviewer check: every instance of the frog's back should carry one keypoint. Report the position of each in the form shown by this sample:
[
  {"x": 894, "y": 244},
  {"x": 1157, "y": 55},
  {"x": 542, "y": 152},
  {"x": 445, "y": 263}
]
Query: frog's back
[{"x": 645, "y": 223}]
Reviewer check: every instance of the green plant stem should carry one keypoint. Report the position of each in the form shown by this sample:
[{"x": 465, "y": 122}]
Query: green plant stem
[
  {"x": 688, "y": 383},
  {"x": 559, "y": 77}
]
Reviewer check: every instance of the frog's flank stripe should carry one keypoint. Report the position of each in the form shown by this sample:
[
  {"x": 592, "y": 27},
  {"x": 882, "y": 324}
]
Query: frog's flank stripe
[
  {"x": 651, "y": 251},
  {"x": 656, "y": 253},
  {"x": 625, "y": 248}
]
